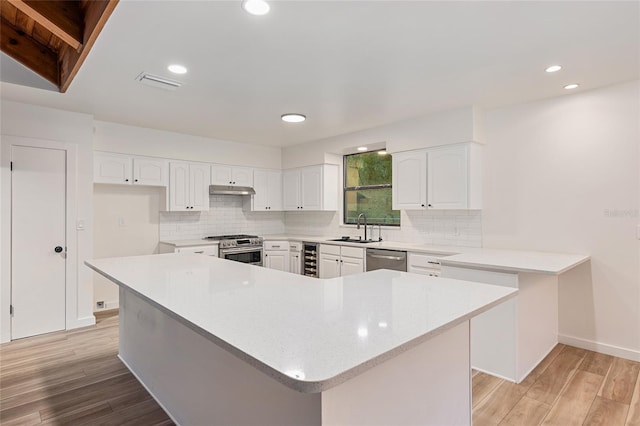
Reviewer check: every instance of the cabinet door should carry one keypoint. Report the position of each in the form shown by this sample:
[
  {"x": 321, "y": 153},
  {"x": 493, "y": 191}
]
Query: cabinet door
[
  {"x": 295, "y": 263},
  {"x": 329, "y": 265},
  {"x": 150, "y": 171},
  {"x": 260, "y": 201},
  {"x": 311, "y": 188},
  {"x": 351, "y": 265},
  {"x": 111, "y": 168},
  {"x": 242, "y": 176},
  {"x": 409, "y": 177},
  {"x": 179, "y": 187},
  {"x": 448, "y": 177},
  {"x": 221, "y": 175},
  {"x": 278, "y": 260},
  {"x": 274, "y": 190},
  {"x": 199, "y": 178},
  {"x": 291, "y": 190}
]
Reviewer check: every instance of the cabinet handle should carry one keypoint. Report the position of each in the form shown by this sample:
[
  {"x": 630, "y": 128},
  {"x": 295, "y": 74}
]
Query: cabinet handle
[
  {"x": 430, "y": 205},
  {"x": 199, "y": 252},
  {"x": 126, "y": 180},
  {"x": 421, "y": 205},
  {"x": 135, "y": 180},
  {"x": 433, "y": 263}
]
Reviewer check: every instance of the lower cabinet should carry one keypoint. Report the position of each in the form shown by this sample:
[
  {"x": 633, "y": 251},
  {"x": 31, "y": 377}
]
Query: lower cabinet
[
  {"x": 295, "y": 258},
  {"x": 276, "y": 255},
  {"x": 424, "y": 264},
  {"x": 339, "y": 261}
]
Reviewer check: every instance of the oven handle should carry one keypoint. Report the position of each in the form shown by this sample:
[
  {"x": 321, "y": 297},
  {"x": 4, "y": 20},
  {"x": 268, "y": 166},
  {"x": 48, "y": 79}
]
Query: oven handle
[{"x": 240, "y": 250}]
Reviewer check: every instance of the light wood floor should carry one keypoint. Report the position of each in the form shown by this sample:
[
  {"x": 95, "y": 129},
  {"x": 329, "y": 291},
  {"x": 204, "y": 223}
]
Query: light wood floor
[{"x": 75, "y": 377}]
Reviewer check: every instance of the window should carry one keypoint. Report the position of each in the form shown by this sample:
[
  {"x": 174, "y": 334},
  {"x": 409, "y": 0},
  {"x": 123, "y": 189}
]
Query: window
[{"x": 367, "y": 188}]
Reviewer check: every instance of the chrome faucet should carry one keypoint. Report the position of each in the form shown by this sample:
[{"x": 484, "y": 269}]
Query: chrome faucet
[{"x": 362, "y": 215}]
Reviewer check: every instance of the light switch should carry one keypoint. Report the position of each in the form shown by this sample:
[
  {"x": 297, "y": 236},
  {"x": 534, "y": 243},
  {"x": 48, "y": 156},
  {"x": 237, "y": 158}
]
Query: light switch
[{"x": 80, "y": 225}]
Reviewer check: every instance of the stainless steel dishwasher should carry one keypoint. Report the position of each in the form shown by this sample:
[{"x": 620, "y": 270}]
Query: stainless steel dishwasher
[{"x": 395, "y": 260}]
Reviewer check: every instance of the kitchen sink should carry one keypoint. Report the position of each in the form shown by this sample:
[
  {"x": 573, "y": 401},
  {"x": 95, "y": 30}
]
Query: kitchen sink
[{"x": 353, "y": 240}]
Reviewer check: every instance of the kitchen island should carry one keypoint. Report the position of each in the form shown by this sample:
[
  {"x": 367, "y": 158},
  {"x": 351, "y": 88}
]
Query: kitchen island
[{"x": 220, "y": 342}]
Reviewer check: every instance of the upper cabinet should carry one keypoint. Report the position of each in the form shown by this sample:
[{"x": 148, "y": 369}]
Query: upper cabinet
[
  {"x": 310, "y": 188},
  {"x": 268, "y": 187},
  {"x": 127, "y": 170},
  {"x": 446, "y": 177},
  {"x": 189, "y": 186},
  {"x": 231, "y": 175}
]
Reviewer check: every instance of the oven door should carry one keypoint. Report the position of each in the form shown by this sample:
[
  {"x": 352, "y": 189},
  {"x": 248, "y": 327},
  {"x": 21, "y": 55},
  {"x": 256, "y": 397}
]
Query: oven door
[{"x": 251, "y": 255}]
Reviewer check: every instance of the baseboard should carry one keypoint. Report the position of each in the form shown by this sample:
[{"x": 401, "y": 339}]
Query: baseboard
[
  {"x": 602, "y": 348},
  {"x": 81, "y": 322},
  {"x": 148, "y": 390}
]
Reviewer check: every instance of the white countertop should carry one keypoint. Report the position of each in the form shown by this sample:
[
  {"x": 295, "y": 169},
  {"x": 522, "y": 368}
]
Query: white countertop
[{"x": 310, "y": 334}]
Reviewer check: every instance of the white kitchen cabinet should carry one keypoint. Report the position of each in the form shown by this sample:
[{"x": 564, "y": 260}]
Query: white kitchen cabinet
[
  {"x": 446, "y": 177},
  {"x": 268, "y": 187},
  {"x": 311, "y": 188},
  {"x": 188, "y": 186},
  {"x": 295, "y": 258},
  {"x": 337, "y": 261},
  {"x": 230, "y": 175},
  {"x": 276, "y": 255},
  {"x": 129, "y": 170}
]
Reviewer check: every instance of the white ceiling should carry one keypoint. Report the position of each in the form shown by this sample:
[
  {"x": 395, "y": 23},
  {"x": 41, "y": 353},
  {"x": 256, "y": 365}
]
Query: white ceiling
[{"x": 347, "y": 65}]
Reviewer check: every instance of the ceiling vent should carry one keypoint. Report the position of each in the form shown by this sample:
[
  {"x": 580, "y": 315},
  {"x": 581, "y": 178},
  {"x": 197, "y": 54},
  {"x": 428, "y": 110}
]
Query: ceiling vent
[{"x": 157, "y": 81}]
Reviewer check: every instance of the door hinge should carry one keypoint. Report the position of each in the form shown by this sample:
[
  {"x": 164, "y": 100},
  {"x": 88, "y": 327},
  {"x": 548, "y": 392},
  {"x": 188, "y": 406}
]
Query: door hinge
[
  {"x": 11, "y": 166},
  {"x": 10, "y": 309}
]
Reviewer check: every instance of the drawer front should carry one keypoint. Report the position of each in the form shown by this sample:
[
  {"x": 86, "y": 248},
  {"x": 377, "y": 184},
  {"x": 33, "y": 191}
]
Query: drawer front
[
  {"x": 296, "y": 246},
  {"x": 206, "y": 250},
  {"x": 356, "y": 252},
  {"x": 276, "y": 245},
  {"x": 424, "y": 271},
  {"x": 423, "y": 261},
  {"x": 329, "y": 249}
]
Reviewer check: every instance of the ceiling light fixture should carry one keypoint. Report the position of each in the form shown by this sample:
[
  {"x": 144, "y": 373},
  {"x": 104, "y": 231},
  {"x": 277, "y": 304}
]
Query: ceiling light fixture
[
  {"x": 553, "y": 68},
  {"x": 362, "y": 148},
  {"x": 256, "y": 7},
  {"x": 177, "y": 69},
  {"x": 293, "y": 118},
  {"x": 571, "y": 86}
]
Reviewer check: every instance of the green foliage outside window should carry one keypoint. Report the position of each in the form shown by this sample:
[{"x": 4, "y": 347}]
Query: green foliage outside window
[{"x": 367, "y": 189}]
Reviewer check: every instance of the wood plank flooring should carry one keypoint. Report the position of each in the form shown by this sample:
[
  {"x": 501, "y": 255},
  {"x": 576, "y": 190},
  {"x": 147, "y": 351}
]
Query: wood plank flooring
[{"x": 75, "y": 378}]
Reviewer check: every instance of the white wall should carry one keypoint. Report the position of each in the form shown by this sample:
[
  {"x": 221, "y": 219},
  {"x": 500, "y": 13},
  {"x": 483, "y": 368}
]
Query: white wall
[
  {"x": 125, "y": 139},
  {"x": 562, "y": 175},
  {"x": 45, "y": 123},
  {"x": 443, "y": 128},
  {"x": 127, "y": 224}
]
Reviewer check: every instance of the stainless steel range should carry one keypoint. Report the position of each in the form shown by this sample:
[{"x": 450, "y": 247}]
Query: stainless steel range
[{"x": 240, "y": 248}]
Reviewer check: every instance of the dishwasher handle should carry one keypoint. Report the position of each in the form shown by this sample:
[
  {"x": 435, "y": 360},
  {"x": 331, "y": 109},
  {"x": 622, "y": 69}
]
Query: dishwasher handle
[{"x": 378, "y": 256}]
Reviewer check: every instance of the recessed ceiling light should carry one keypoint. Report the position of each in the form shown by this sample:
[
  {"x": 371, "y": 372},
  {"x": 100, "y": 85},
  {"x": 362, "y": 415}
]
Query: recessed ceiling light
[
  {"x": 293, "y": 118},
  {"x": 553, "y": 68},
  {"x": 362, "y": 148},
  {"x": 256, "y": 7},
  {"x": 571, "y": 86},
  {"x": 177, "y": 69}
]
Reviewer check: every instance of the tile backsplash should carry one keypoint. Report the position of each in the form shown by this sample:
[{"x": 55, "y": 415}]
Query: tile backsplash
[{"x": 226, "y": 216}]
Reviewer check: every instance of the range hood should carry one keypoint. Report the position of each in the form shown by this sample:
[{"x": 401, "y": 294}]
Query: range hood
[{"x": 230, "y": 190}]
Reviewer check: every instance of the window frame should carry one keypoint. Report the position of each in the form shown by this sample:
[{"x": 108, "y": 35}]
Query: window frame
[{"x": 346, "y": 188}]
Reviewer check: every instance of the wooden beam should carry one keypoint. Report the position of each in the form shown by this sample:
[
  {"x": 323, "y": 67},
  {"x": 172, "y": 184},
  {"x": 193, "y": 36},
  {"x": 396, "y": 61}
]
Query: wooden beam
[
  {"x": 62, "y": 18},
  {"x": 28, "y": 52},
  {"x": 96, "y": 14}
]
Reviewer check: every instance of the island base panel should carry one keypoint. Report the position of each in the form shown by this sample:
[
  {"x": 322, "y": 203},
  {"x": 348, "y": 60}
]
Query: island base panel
[
  {"x": 511, "y": 339},
  {"x": 197, "y": 382},
  {"x": 426, "y": 385}
]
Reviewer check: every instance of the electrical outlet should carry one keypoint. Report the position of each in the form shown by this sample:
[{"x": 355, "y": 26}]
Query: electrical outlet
[{"x": 100, "y": 304}]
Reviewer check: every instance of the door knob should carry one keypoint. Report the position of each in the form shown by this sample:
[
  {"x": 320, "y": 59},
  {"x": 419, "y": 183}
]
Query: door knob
[{"x": 58, "y": 249}]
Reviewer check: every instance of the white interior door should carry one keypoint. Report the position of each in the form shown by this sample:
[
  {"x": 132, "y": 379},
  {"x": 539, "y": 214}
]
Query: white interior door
[{"x": 38, "y": 229}]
